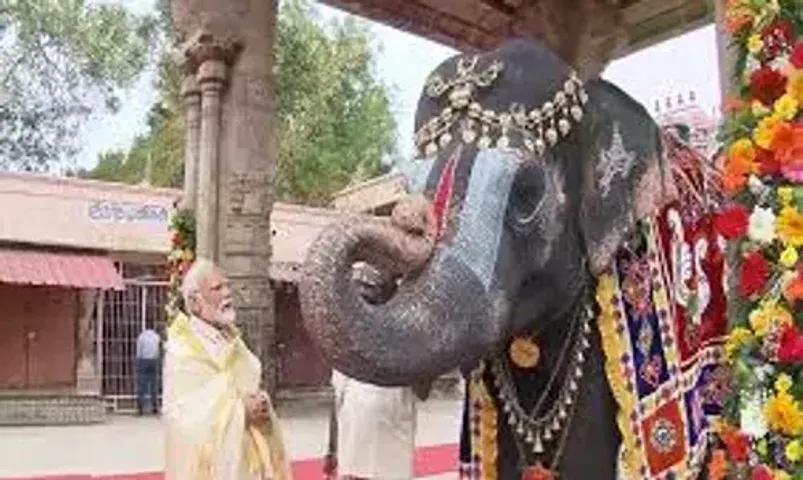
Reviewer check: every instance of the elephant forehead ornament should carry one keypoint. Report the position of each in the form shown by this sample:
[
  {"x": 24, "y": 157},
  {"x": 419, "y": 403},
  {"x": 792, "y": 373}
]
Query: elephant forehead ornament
[{"x": 539, "y": 128}]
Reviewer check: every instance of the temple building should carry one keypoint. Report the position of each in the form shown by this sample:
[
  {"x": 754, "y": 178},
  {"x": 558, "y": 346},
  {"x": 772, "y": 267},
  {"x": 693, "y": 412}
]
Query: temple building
[{"x": 700, "y": 127}]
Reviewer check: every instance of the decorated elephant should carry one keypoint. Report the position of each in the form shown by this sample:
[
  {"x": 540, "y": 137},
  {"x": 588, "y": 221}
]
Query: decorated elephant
[{"x": 530, "y": 181}]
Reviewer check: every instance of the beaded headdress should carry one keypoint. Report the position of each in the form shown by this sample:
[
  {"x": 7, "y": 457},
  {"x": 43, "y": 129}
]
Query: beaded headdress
[{"x": 538, "y": 128}]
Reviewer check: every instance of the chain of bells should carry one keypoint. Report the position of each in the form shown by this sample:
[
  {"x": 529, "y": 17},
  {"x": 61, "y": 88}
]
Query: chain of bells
[{"x": 536, "y": 433}]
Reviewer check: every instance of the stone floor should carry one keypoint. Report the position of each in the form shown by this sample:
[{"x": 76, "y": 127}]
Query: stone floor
[{"x": 134, "y": 445}]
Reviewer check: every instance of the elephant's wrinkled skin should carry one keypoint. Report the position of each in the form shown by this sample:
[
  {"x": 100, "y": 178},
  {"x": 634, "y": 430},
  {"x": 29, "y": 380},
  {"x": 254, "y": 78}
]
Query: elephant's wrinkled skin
[{"x": 546, "y": 225}]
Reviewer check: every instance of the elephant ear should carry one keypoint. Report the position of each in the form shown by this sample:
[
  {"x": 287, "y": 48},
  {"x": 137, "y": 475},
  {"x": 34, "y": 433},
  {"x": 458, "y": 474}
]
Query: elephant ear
[{"x": 625, "y": 177}]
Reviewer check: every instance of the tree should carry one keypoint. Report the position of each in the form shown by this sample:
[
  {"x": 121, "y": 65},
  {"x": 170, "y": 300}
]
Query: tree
[
  {"x": 61, "y": 61},
  {"x": 334, "y": 119}
]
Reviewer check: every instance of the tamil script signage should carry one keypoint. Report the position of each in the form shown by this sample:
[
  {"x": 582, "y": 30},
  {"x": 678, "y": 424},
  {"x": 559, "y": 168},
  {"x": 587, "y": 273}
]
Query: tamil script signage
[
  {"x": 127, "y": 212},
  {"x": 46, "y": 210}
]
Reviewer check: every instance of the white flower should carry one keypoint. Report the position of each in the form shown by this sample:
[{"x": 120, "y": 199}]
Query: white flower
[
  {"x": 755, "y": 185},
  {"x": 762, "y": 225},
  {"x": 752, "y": 418}
]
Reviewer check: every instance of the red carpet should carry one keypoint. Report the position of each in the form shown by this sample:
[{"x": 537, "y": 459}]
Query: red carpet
[{"x": 433, "y": 460}]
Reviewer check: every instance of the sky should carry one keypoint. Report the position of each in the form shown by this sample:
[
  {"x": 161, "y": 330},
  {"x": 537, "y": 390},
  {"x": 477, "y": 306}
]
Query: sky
[{"x": 677, "y": 66}]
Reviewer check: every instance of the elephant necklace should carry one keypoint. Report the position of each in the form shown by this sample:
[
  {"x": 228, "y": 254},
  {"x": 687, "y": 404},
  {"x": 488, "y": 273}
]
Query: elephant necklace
[{"x": 532, "y": 431}]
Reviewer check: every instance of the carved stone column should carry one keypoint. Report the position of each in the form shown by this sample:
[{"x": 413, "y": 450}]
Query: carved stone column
[
  {"x": 87, "y": 381},
  {"x": 246, "y": 170},
  {"x": 725, "y": 53},
  {"x": 247, "y": 174},
  {"x": 212, "y": 55},
  {"x": 191, "y": 93}
]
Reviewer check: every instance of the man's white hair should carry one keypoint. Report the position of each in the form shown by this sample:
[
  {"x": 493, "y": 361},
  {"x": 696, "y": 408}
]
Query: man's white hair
[{"x": 192, "y": 279}]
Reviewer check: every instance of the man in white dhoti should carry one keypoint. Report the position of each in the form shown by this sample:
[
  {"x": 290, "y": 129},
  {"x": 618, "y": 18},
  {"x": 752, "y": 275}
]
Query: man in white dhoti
[
  {"x": 375, "y": 430},
  {"x": 374, "y": 426},
  {"x": 219, "y": 424}
]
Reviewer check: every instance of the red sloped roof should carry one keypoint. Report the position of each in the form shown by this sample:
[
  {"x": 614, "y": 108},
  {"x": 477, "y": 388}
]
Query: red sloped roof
[{"x": 64, "y": 269}]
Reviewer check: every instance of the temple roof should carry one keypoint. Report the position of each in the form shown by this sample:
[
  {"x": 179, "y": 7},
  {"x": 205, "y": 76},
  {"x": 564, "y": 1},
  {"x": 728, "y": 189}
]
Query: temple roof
[{"x": 593, "y": 31}]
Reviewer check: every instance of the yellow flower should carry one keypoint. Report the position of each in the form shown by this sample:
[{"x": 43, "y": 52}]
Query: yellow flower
[
  {"x": 754, "y": 43},
  {"x": 794, "y": 86},
  {"x": 761, "y": 447},
  {"x": 783, "y": 383},
  {"x": 768, "y": 315},
  {"x": 786, "y": 107},
  {"x": 783, "y": 414},
  {"x": 736, "y": 338},
  {"x": 794, "y": 451},
  {"x": 789, "y": 257},
  {"x": 765, "y": 131},
  {"x": 785, "y": 195},
  {"x": 789, "y": 226},
  {"x": 759, "y": 110},
  {"x": 781, "y": 475}
]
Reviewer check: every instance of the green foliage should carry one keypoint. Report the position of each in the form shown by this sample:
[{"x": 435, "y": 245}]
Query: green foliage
[
  {"x": 61, "y": 61},
  {"x": 334, "y": 119}
]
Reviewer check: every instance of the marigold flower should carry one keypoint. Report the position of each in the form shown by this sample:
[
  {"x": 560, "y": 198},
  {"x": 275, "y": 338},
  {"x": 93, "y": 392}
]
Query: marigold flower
[
  {"x": 789, "y": 226},
  {"x": 739, "y": 164},
  {"x": 737, "y": 337},
  {"x": 718, "y": 465},
  {"x": 783, "y": 414},
  {"x": 794, "y": 85},
  {"x": 789, "y": 257},
  {"x": 765, "y": 131},
  {"x": 767, "y": 316},
  {"x": 786, "y": 107},
  {"x": 755, "y": 44}
]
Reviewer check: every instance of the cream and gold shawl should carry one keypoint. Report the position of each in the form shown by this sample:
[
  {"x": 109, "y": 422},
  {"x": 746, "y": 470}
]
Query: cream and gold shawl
[{"x": 206, "y": 434}]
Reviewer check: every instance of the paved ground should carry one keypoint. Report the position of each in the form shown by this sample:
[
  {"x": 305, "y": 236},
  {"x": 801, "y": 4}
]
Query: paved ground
[{"x": 134, "y": 445}]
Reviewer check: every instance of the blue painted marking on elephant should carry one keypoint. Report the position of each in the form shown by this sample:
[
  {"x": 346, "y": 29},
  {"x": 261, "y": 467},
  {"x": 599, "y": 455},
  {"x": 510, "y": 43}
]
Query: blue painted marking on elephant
[
  {"x": 480, "y": 221},
  {"x": 416, "y": 173}
]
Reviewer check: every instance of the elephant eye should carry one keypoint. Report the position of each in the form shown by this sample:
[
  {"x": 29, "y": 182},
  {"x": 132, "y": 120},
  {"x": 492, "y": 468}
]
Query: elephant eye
[{"x": 525, "y": 201}]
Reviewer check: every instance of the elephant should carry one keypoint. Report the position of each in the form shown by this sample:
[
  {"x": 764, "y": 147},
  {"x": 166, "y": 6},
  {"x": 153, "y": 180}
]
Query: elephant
[{"x": 529, "y": 180}]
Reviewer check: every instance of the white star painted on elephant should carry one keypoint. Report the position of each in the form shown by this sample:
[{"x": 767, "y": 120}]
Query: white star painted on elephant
[{"x": 615, "y": 161}]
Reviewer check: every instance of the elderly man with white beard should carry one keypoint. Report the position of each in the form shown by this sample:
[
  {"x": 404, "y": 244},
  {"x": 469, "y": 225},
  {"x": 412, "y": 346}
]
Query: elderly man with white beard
[{"x": 220, "y": 424}]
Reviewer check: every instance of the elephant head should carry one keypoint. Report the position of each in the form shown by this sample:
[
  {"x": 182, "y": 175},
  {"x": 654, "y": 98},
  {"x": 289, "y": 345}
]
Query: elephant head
[{"x": 530, "y": 179}]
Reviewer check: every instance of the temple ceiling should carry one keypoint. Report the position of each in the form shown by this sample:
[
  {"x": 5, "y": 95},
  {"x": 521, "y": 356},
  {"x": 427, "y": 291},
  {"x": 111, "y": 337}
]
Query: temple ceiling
[{"x": 587, "y": 33}]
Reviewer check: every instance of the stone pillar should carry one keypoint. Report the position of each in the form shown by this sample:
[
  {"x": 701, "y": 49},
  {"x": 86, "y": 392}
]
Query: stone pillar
[
  {"x": 212, "y": 55},
  {"x": 191, "y": 93},
  {"x": 246, "y": 180},
  {"x": 87, "y": 381},
  {"x": 725, "y": 53},
  {"x": 245, "y": 174}
]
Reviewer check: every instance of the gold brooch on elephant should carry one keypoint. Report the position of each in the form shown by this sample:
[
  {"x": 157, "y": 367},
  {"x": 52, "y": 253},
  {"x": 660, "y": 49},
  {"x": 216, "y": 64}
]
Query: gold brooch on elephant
[
  {"x": 524, "y": 352},
  {"x": 538, "y": 128}
]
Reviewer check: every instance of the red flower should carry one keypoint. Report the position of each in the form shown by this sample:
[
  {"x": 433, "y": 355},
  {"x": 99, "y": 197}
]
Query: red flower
[
  {"x": 767, "y": 85},
  {"x": 797, "y": 55},
  {"x": 737, "y": 443},
  {"x": 761, "y": 472},
  {"x": 175, "y": 240},
  {"x": 791, "y": 348},
  {"x": 732, "y": 221},
  {"x": 777, "y": 36},
  {"x": 768, "y": 163},
  {"x": 753, "y": 275}
]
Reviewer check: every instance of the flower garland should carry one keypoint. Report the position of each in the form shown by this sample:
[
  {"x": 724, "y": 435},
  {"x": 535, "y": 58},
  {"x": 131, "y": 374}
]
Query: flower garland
[
  {"x": 761, "y": 434},
  {"x": 182, "y": 253}
]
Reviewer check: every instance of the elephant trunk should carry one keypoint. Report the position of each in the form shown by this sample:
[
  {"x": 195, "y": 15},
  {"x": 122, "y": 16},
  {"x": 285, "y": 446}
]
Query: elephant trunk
[{"x": 440, "y": 317}]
